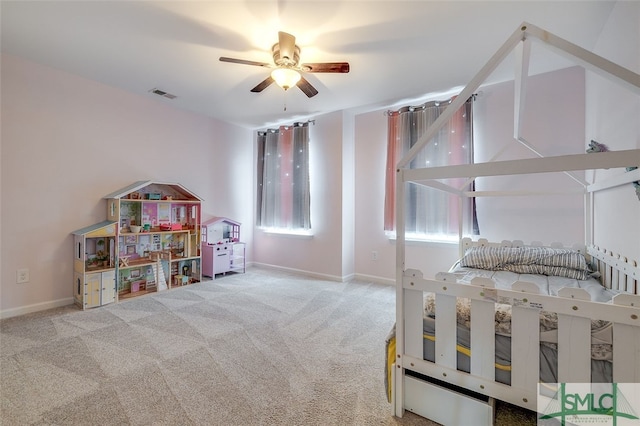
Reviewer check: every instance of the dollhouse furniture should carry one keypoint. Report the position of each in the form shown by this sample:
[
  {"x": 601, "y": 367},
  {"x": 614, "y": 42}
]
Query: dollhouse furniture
[
  {"x": 179, "y": 280},
  {"x": 94, "y": 265},
  {"x": 150, "y": 237},
  {"x": 222, "y": 250}
]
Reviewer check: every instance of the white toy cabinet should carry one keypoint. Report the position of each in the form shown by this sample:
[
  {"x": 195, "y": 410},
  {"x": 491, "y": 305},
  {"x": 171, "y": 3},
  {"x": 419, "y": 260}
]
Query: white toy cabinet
[{"x": 222, "y": 250}]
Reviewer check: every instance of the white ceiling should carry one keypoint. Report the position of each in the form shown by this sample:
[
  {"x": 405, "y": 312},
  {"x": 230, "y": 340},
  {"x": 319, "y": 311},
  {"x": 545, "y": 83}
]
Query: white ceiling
[{"x": 400, "y": 52}]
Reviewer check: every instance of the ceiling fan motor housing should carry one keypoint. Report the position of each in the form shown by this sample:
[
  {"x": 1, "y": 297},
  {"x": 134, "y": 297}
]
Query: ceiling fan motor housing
[{"x": 285, "y": 61}]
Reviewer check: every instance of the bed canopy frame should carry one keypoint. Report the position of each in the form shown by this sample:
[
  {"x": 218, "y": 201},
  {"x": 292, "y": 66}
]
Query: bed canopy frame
[
  {"x": 520, "y": 43},
  {"x": 410, "y": 284}
]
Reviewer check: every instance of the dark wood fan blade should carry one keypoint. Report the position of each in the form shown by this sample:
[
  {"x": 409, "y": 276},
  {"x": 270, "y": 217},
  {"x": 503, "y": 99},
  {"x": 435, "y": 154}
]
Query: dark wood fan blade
[
  {"x": 342, "y": 67},
  {"x": 263, "y": 85},
  {"x": 287, "y": 45},
  {"x": 244, "y": 62},
  {"x": 307, "y": 88}
]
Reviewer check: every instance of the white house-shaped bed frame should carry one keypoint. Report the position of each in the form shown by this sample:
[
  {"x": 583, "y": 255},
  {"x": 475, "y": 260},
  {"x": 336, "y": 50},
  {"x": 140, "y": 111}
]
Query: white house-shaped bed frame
[{"x": 574, "y": 309}]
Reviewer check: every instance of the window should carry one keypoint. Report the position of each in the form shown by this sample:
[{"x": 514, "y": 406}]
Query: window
[
  {"x": 283, "y": 199},
  {"x": 430, "y": 213}
]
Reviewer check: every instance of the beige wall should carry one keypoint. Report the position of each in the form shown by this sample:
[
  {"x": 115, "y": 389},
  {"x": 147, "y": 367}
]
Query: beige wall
[
  {"x": 67, "y": 142},
  {"x": 612, "y": 119}
]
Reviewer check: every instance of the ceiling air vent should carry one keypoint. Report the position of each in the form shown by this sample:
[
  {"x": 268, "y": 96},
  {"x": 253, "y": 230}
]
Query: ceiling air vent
[{"x": 163, "y": 93}]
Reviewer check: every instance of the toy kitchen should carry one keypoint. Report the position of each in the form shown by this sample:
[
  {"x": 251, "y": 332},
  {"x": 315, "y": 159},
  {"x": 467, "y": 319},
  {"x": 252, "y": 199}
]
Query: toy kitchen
[{"x": 221, "y": 250}]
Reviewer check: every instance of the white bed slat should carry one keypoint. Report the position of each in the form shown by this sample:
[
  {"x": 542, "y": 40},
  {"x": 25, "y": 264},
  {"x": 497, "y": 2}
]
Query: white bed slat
[
  {"x": 445, "y": 353},
  {"x": 574, "y": 293},
  {"x": 483, "y": 282},
  {"x": 525, "y": 343},
  {"x": 525, "y": 287},
  {"x": 446, "y": 276},
  {"x": 613, "y": 276},
  {"x": 627, "y": 300},
  {"x": 608, "y": 274},
  {"x": 626, "y": 344},
  {"x": 626, "y": 354},
  {"x": 574, "y": 342},
  {"x": 574, "y": 349},
  {"x": 483, "y": 342},
  {"x": 525, "y": 347},
  {"x": 413, "y": 326},
  {"x": 397, "y": 393}
]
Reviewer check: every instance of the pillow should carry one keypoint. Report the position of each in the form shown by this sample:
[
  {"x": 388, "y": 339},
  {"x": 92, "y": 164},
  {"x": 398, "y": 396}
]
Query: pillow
[{"x": 529, "y": 260}]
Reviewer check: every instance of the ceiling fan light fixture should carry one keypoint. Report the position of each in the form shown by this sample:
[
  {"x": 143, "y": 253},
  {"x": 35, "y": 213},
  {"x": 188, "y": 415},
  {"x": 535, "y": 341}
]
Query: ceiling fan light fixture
[
  {"x": 285, "y": 77},
  {"x": 286, "y": 67}
]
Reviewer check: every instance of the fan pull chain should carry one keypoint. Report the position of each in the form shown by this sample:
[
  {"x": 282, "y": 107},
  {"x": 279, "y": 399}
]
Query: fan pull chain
[{"x": 284, "y": 101}]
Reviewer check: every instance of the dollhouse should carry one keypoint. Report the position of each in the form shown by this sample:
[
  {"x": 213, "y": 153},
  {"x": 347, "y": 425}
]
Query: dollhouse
[
  {"x": 94, "y": 276},
  {"x": 149, "y": 242}
]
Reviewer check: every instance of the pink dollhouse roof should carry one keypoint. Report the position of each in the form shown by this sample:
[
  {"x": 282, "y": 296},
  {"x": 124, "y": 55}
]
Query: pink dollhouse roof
[
  {"x": 178, "y": 191},
  {"x": 217, "y": 219},
  {"x": 94, "y": 227}
]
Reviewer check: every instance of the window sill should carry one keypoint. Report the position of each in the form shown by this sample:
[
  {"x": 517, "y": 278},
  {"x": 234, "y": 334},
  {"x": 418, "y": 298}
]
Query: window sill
[
  {"x": 287, "y": 232},
  {"x": 427, "y": 240}
]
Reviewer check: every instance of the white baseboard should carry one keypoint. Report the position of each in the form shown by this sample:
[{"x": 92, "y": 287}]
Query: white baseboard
[
  {"x": 303, "y": 272},
  {"x": 37, "y": 307},
  {"x": 375, "y": 279},
  {"x": 346, "y": 278}
]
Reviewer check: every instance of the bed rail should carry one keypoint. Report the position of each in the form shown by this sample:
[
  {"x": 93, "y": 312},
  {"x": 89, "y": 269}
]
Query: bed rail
[
  {"x": 617, "y": 272},
  {"x": 575, "y": 312}
]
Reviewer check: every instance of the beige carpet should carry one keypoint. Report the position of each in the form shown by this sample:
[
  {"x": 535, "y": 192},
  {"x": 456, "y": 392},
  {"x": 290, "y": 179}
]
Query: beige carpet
[{"x": 261, "y": 348}]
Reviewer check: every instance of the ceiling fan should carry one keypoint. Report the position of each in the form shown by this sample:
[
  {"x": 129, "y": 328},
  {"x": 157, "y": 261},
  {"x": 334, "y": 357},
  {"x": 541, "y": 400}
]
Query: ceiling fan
[{"x": 287, "y": 68}]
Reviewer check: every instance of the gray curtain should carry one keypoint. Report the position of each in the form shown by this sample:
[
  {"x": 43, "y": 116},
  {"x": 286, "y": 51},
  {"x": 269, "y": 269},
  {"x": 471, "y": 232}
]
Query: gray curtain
[
  {"x": 430, "y": 211},
  {"x": 283, "y": 198}
]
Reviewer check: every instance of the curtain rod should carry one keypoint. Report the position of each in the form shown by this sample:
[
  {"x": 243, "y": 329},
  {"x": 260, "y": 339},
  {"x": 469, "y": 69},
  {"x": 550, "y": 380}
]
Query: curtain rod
[
  {"x": 286, "y": 126},
  {"x": 427, "y": 104}
]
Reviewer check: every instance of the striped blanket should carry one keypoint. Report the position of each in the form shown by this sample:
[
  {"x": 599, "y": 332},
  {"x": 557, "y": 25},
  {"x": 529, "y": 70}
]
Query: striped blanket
[{"x": 529, "y": 260}]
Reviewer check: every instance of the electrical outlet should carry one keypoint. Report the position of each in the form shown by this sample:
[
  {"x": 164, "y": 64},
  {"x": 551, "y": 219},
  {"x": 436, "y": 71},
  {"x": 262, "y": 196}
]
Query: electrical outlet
[
  {"x": 22, "y": 276},
  {"x": 374, "y": 255}
]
